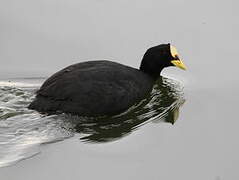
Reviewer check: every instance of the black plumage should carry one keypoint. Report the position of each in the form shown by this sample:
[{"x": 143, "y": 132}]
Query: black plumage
[{"x": 96, "y": 88}]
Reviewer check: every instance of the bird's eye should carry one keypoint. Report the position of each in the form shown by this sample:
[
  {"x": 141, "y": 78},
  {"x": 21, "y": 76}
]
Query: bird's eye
[
  {"x": 176, "y": 57},
  {"x": 173, "y": 51}
]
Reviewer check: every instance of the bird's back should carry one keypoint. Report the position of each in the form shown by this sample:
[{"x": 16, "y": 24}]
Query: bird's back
[{"x": 93, "y": 88}]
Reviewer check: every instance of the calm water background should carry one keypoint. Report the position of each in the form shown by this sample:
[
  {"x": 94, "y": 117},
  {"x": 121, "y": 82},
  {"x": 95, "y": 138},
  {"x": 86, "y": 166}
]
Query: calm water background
[{"x": 41, "y": 37}]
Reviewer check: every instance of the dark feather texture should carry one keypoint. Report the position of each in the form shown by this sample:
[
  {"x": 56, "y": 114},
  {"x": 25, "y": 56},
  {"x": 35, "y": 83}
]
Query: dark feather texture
[
  {"x": 97, "y": 88},
  {"x": 93, "y": 88}
]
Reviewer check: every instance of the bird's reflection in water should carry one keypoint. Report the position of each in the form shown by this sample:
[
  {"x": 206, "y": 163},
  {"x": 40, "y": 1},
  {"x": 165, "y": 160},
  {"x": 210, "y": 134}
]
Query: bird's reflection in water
[{"x": 162, "y": 105}]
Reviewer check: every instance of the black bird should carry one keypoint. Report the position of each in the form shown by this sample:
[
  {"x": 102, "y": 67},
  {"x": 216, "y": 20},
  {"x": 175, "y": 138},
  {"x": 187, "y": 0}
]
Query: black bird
[{"x": 97, "y": 88}]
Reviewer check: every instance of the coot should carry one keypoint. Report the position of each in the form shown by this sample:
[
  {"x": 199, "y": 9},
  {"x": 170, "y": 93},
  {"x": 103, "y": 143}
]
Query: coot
[{"x": 97, "y": 88}]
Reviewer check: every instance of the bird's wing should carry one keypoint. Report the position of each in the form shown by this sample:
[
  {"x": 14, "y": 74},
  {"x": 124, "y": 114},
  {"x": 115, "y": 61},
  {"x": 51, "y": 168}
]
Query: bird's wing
[{"x": 99, "y": 89}]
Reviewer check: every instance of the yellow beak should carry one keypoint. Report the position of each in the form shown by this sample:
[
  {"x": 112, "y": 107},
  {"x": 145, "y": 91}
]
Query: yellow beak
[{"x": 179, "y": 64}]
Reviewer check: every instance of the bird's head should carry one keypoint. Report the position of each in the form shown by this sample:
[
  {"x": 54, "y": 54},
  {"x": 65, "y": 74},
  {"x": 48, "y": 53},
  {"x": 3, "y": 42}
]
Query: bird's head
[{"x": 158, "y": 57}]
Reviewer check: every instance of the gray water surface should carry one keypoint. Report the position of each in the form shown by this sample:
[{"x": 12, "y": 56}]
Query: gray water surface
[
  {"x": 24, "y": 130},
  {"x": 41, "y": 37}
]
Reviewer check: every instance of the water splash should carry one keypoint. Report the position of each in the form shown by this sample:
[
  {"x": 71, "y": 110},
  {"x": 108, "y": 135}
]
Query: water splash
[{"x": 22, "y": 131}]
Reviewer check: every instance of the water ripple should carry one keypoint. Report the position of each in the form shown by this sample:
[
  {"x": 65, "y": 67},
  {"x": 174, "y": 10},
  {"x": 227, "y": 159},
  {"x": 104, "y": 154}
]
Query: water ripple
[{"x": 22, "y": 131}]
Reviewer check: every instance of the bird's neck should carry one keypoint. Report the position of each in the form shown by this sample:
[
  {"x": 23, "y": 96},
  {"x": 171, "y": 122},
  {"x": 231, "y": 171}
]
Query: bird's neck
[{"x": 153, "y": 72}]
